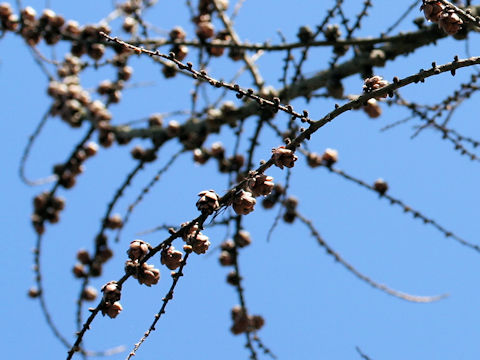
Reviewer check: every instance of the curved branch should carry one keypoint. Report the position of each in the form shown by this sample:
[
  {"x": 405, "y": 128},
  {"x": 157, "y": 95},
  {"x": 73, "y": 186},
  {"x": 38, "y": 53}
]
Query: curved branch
[
  {"x": 354, "y": 271},
  {"x": 26, "y": 153}
]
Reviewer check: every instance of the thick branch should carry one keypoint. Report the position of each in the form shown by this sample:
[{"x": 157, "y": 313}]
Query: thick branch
[{"x": 390, "y": 51}]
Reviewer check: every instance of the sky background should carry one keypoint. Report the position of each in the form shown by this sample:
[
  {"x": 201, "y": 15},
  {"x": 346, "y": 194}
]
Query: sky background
[{"x": 313, "y": 307}]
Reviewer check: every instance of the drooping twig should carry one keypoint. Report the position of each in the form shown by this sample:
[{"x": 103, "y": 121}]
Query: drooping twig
[
  {"x": 26, "y": 153},
  {"x": 354, "y": 271}
]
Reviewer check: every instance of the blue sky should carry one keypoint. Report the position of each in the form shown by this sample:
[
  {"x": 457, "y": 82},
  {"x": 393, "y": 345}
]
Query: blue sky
[{"x": 313, "y": 307}]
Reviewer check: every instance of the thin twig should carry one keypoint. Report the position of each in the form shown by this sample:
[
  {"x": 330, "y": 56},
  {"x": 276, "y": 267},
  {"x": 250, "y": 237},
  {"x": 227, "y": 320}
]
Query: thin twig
[
  {"x": 354, "y": 271},
  {"x": 176, "y": 276},
  {"x": 257, "y": 77},
  {"x": 26, "y": 153},
  {"x": 407, "y": 209},
  {"x": 362, "y": 354},
  {"x": 145, "y": 190}
]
